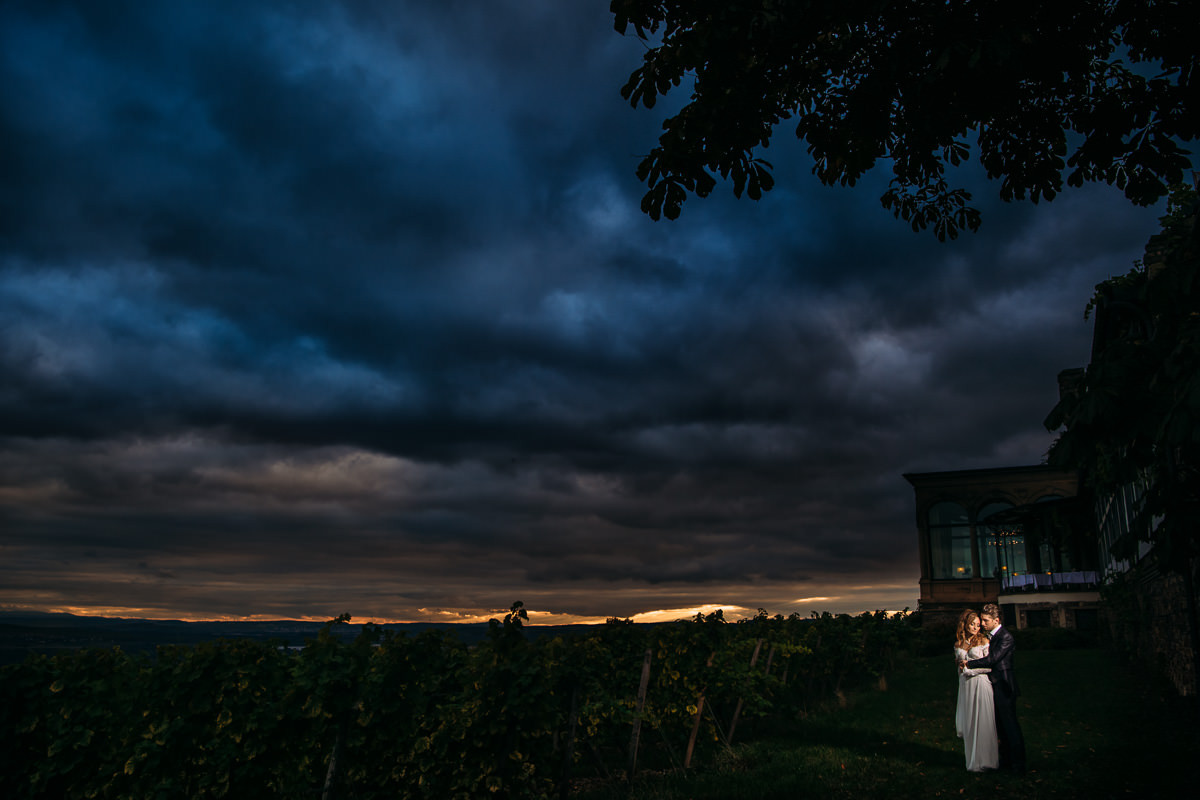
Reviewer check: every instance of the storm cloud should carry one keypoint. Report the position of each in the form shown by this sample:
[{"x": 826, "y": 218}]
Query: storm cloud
[{"x": 319, "y": 307}]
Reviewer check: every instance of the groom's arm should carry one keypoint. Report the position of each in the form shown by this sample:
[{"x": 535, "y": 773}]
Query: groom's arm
[{"x": 1001, "y": 647}]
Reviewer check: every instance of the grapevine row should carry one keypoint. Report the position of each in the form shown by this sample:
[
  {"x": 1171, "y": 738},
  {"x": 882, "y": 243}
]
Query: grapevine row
[{"x": 389, "y": 715}]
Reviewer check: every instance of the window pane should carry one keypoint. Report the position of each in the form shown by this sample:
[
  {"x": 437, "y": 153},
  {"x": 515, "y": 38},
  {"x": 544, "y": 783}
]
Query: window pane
[
  {"x": 1012, "y": 551},
  {"x": 950, "y": 551},
  {"x": 990, "y": 540},
  {"x": 989, "y": 552},
  {"x": 1046, "y": 557},
  {"x": 962, "y": 553}
]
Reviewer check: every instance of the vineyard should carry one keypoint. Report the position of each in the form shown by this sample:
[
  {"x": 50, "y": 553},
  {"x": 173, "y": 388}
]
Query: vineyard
[{"x": 392, "y": 716}]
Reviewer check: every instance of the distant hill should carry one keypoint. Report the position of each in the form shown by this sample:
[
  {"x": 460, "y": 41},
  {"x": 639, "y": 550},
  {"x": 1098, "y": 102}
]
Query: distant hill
[{"x": 22, "y": 633}]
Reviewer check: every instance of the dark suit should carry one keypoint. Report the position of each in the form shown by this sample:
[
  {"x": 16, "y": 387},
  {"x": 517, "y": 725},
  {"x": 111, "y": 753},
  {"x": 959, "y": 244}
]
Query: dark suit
[{"x": 1004, "y": 695}]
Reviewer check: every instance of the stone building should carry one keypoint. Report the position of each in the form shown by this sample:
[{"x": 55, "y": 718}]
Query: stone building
[
  {"x": 1141, "y": 378},
  {"x": 1010, "y": 535}
]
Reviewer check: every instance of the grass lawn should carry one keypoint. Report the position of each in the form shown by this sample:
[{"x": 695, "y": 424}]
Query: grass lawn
[{"x": 1092, "y": 730}]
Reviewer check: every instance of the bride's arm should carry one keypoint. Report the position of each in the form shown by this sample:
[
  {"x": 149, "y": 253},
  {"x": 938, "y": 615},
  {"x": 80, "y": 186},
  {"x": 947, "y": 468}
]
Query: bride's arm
[
  {"x": 960, "y": 658},
  {"x": 971, "y": 673}
]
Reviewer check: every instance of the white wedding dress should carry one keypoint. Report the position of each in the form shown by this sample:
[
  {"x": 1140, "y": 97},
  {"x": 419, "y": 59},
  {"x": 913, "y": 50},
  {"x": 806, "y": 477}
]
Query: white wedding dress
[{"x": 975, "y": 717}]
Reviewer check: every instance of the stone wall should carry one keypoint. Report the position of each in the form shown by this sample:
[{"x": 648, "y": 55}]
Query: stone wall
[{"x": 1145, "y": 613}]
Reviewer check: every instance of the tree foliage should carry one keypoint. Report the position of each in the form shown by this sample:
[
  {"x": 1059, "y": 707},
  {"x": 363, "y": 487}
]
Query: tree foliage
[
  {"x": 1134, "y": 416},
  {"x": 1042, "y": 93}
]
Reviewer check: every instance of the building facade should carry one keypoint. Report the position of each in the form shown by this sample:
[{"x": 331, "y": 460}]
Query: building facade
[{"x": 1009, "y": 535}]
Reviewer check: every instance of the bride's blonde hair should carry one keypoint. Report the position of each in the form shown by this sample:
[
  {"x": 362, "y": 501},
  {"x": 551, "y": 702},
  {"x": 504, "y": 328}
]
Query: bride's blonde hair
[{"x": 964, "y": 640}]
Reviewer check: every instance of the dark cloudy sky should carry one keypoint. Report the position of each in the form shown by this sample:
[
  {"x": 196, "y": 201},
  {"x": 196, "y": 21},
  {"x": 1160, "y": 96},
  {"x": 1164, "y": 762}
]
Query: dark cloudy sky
[{"x": 310, "y": 308}]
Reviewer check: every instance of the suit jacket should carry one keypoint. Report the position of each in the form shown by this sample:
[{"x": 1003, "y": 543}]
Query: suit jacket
[{"x": 999, "y": 660}]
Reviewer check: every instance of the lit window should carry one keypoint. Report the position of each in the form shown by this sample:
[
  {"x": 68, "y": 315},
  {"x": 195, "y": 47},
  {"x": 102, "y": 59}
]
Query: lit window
[{"x": 949, "y": 542}]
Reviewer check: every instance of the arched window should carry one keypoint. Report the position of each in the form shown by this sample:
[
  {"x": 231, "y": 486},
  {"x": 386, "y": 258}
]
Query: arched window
[
  {"x": 992, "y": 540},
  {"x": 949, "y": 542}
]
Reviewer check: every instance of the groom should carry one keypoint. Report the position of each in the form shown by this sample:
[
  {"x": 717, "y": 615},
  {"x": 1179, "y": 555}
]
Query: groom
[{"x": 1004, "y": 688}]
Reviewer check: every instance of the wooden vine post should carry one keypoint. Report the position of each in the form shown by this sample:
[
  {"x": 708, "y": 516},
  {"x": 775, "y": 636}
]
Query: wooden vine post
[
  {"x": 737, "y": 711},
  {"x": 329, "y": 790},
  {"x": 687, "y": 757},
  {"x": 637, "y": 716}
]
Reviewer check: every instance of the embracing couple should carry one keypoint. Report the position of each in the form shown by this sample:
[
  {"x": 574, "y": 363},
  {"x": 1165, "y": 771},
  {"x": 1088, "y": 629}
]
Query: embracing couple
[{"x": 986, "y": 717}]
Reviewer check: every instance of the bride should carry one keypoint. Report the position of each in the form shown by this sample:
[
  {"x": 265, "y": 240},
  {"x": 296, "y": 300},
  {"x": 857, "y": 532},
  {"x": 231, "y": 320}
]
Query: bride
[{"x": 975, "y": 717}]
